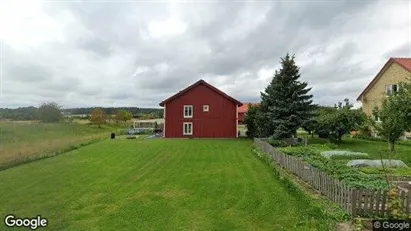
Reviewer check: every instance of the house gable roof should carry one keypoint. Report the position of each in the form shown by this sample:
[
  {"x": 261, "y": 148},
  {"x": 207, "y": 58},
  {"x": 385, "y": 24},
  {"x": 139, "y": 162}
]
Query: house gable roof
[
  {"x": 403, "y": 62},
  {"x": 244, "y": 107},
  {"x": 197, "y": 84}
]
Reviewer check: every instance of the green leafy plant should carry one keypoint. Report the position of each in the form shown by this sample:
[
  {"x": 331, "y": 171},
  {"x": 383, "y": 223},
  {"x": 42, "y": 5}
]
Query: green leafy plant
[
  {"x": 395, "y": 115},
  {"x": 50, "y": 112},
  {"x": 250, "y": 121},
  {"x": 331, "y": 145},
  {"x": 277, "y": 143},
  {"x": 333, "y": 123},
  {"x": 350, "y": 176},
  {"x": 366, "y": 137},
  {"x": 395, "y": 205},
  {"x": 390, "y": 171}
]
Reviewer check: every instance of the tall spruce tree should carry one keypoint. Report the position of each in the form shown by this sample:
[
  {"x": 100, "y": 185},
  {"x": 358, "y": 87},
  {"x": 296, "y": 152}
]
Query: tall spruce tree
[{"x": 285, "y": 103}]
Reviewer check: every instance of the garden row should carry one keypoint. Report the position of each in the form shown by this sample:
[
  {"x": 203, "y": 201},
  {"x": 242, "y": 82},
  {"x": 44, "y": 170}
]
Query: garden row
[
  {"x": 356, "y": 192},
  {"x": 336, "y": 167}
]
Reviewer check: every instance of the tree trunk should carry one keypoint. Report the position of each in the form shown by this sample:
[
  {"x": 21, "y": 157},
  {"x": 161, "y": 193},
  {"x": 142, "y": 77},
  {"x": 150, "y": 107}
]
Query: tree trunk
[
  {"x": 312, "y": 134},
  {"x": 391, "y": 146}
]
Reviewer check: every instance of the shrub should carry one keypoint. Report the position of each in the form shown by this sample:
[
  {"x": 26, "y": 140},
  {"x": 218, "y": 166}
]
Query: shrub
[
  {"x": 391, "y": 171},
  {"x": 405, "y": 142},
  {"x": 50, "y": 112},
  {"x": 339, "y": 121},
  {"x": 367, "y": 137},
  {"x": 250, "y": 121},
  {"x": 331, "y": 145},
  {"x": 323, "y": 134},
  {"x": 277, "y": 143}
]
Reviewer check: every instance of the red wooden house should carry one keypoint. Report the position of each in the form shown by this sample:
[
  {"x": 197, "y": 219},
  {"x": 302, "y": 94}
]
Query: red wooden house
[{"x": 200, "y": 110}]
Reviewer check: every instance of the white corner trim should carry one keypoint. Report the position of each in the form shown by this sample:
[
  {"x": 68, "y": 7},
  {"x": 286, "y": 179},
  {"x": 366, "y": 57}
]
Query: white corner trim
[
  {"x": 236, "y": 120},
  {"x": 164, "y": 116}
]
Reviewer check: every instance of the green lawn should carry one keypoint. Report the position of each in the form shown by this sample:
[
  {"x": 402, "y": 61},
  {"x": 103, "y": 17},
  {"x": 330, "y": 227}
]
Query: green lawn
[{"x": 156, "y": 185}]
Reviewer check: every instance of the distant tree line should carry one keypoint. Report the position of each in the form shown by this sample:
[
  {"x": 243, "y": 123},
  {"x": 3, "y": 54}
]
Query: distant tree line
[
  {"x": 135, "y": 111},
  {"x": 22, "y": 113},
  {"x": 33, "y": 113}
]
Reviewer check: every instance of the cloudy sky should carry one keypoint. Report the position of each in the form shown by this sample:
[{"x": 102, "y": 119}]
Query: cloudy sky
[{"x": 129, "y": 53}]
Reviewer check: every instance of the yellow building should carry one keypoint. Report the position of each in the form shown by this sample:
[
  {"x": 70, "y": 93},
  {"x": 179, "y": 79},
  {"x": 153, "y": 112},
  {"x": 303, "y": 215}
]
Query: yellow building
[{"x": 396, "y": 70}]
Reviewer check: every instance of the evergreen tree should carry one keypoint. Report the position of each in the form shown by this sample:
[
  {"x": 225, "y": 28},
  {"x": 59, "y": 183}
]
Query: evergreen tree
[{"x": 285, "y": 103}]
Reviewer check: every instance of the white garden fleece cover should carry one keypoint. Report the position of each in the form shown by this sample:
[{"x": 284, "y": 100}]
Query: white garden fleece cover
[
  {"x": 376, "y": 163},
  {"x": 328, "y": 154}
]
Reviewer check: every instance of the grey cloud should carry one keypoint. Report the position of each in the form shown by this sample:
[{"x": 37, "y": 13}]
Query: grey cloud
[
  {"x": 96, "y": 45},
  {"x": 172, "y": 79},
  {"x": 403, "y": 50},
  {"x": 104, "y": 43},
  {"x": 27, "y": 72}
]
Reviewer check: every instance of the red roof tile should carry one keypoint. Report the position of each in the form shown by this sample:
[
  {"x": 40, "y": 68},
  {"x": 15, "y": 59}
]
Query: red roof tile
[
  {"x": 244, "y": 108},
  {"x": 404, "y": 62}
]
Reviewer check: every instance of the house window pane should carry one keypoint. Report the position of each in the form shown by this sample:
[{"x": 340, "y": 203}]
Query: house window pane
[
  {"x": 394, "y": 88},
  {"x": 188, "y": 111},
  {"x": 187, "y": 128}
]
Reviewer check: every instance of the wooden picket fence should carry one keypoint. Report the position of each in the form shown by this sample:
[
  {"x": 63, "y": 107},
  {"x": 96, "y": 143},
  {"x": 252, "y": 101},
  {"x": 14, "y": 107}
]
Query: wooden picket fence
[{"x": 357, "y": 202}]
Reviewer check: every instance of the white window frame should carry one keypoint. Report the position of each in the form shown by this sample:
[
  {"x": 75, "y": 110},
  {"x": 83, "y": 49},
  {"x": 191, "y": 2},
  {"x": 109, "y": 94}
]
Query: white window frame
[
  {"x": 184, "y": 130},
  {"x": 206, "y": 108},
  {"x": 184, "y": 111},
  {"x": 389, "y": 88},
  {"x": 236, "y": 121},
  {"x": 164, "y": 116},
  {"x": 377, "y": 118}
]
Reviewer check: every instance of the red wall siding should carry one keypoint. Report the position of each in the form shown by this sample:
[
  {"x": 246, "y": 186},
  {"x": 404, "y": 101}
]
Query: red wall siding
[{"x": 218, "y": 122}]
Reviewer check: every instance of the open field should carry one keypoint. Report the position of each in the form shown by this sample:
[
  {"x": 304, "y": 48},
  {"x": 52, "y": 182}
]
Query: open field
[
  {"x": 157, "y": 185},
  {"x": 20, "y": 141}
]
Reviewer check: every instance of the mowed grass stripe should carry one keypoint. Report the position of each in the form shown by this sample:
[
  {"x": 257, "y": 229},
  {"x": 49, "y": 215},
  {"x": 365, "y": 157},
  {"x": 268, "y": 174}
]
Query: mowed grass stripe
[{"x": 155, "y": 185}]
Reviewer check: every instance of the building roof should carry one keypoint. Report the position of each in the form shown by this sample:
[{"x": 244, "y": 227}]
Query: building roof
[
  {"x": 197, "y": 84},
  {"x": 244, "y": 107},
  {"x": 403, "y": 62}
]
